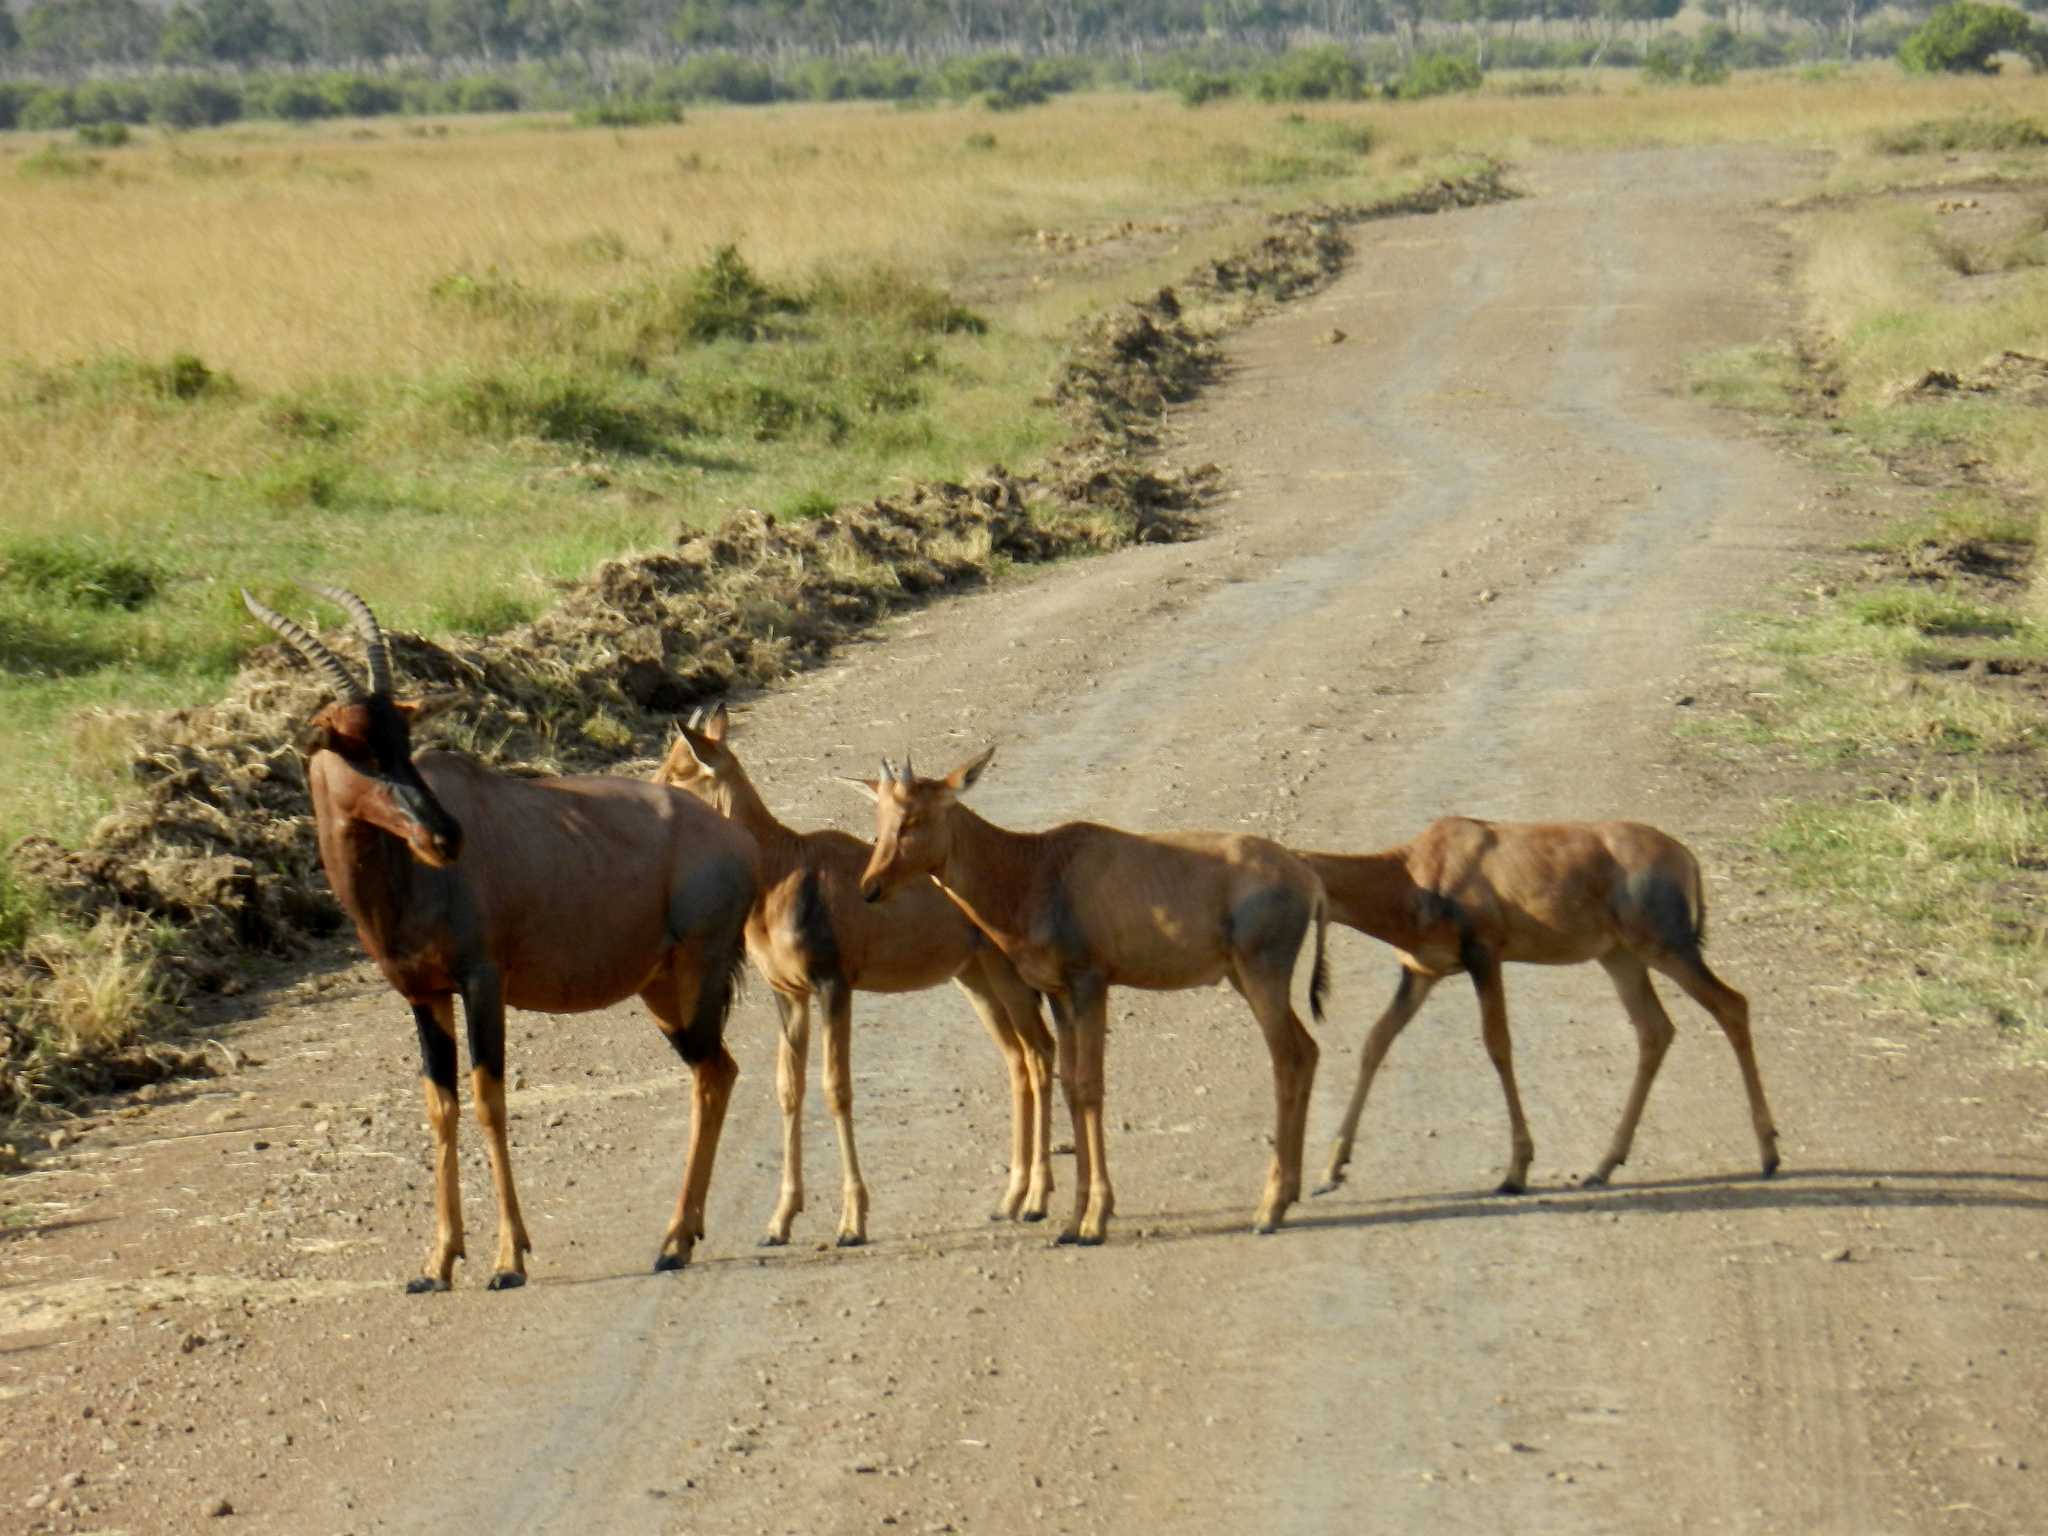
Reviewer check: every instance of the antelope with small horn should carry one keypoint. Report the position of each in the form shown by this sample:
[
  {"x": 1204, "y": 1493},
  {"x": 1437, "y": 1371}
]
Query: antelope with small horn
[
  {"x": 560, "y": 895},
  {"x": 1082, "y": 908},
  {"x": 814, "y": 940},
  {"x": 1472, "y": 895}
]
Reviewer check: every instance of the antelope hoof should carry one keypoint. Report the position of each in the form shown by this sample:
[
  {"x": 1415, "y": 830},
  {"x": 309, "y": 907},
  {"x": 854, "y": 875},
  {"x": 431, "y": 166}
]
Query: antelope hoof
[
  {"x": 424, "y": 1285},
  {"x": 1031, "y": 1215},
  {"x": 1595, "y": 1180},
  {"x": 1329, "y": 1186},
  {"x": 1770, "y": 1165},
  {"x": 1265, "y": 1226},
  {"x": 774, "y": 1239},
  {"x": 1512, "y": 1186},
  {"x": 668, "y": 1261},
  {"x": 852, "y": 1240},
  {"x": 505, "y": 1280}
]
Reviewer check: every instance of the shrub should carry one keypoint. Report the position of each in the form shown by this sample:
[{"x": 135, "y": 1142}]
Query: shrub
[
  {"x": 1438, "y": 74},
  {"x": 723, "y": 299},
  {"x": 294, "y": 101},
  {"x": 1664, "y": 59},
  {"x": 1963, "y": 37},
  {"x": 103, "y": 135},
  {"x": 1984, "y": 132},
  {"x": 186, "y": 102},
  {"x": 50, "y": 108},
  {"x": 79, "y": 572},
  {"x": 359, "y": 96},
  {"x": 13, "y": 97},
  {"x": 105, "y": 102},
  {"x": 485, "y": 93},
  {"x": 1311, "y": 74},
  {"x": 1197, "y": 88},
  {"x": 562, "y": 408},
  {"x": 725, "y": 77}
]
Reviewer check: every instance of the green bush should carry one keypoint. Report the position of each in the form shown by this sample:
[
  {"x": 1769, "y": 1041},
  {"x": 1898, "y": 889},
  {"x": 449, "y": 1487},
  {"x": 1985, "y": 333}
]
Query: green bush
[
  {"x": 725, "y": 77},
  {"x": 187, "y": 102},
  {"x": 1311, "y": 74},
  {"x": 1197, "y": 88},
  {"x": 103, "y": 135},
  {"x": 1963, "y": 37},
  {"x": 103, "y": 101},
  {"x": 1986, "y": 133},
  {"x": 724, "y": 300},
  {"x": 48, "y": 109},
  {"x": 564, "y": 408},
  {"x": 14, "y": 96},
  {"x": 485, "y": 93},
  {"x": 1438, "y": 74},
  {"x": 292, "y": 100},
  {"x": 79, "y": 572},
  {"x": 1664, "y": 60},
  {"x": 359, "y": 96}
]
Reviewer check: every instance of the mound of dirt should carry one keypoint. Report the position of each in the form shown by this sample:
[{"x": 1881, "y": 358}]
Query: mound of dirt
[
  {"x": 2017, "y": 377},
  {"x": 217, "y": 850}
]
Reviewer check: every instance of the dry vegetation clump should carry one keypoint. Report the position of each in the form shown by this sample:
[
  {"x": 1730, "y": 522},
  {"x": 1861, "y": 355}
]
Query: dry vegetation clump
[{"x": 213, "y": 862}]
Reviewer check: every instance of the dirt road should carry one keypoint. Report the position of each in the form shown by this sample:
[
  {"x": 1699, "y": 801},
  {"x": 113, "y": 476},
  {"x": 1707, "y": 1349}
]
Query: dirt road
[{"x": 1469, "y": 565}]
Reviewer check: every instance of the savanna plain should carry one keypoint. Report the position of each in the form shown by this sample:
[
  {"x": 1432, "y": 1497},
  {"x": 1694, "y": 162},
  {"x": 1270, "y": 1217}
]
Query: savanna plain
[{"x": 1697, "y": 483}]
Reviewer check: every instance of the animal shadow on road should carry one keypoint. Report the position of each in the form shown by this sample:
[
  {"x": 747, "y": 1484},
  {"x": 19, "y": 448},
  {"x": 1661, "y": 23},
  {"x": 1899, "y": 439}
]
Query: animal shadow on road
[{"x": 1810, "y": 1189}]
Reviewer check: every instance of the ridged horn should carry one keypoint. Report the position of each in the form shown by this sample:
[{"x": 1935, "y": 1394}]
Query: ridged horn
[
  {"x": 365, "y": 622},
  {"x": 308, "y": 646},
  {"x": 909, "y": 773}
]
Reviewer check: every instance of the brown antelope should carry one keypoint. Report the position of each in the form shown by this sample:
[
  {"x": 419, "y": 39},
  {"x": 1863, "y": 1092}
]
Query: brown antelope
[
  {"x": 811, "y": 937},
  {"x": 1471, "y": 895},
  {"x": 559, "y": 895},
  {"x": 1083, "y": 908}
]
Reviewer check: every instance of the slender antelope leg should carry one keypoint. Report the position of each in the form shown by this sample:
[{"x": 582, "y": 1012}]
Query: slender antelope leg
[
  {"x": 994, "y": 1014},
  {"x": 483, "y": 1009},
  {"x": 853, "y": 1192},
  {"x": 1091, "y": 1039},
  {"x": 1066, "y": 1050},
  {"x": 791, "y": 1058},
  {"x": 1294, "y": 1054},
  {"x": 674, "y": 997},
  {"x": 1038, "y": 1048},
  {"x": 436, "y": 1024},
  {"x": 1654, "y": 1034},
  {"x": 1731, "y": 1011},
  {"x": 1408, "y": 999},
  {"x": 1493, "y": 1028}
]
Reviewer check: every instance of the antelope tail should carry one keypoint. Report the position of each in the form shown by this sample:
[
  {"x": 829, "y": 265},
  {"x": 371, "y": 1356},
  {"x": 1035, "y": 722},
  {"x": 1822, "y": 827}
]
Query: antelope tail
[{"x": 1319, "y": 977}]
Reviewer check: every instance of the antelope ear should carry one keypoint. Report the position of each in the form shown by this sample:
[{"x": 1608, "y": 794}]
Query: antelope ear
[
  {"x": 416, "y": 710},
  {"x": 964, "y": 776},
  {"x": 715, "y": 722},
  {"x": 872, "y": 788},
  {"x": 698, "y": 744}
]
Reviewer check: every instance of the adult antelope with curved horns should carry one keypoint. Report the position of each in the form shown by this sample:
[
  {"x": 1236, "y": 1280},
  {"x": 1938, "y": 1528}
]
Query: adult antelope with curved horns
[
  {"x": 560, "y": 895},
  {"x": 1082, "y": 908}
]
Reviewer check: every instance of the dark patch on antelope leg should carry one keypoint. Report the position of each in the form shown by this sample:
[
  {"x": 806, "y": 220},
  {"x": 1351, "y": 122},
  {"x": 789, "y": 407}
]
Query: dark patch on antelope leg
[{"x": 505, "y": 1280}]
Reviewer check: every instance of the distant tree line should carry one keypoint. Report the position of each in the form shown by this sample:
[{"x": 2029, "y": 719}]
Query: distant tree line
[{"x": 70, "y": 37}]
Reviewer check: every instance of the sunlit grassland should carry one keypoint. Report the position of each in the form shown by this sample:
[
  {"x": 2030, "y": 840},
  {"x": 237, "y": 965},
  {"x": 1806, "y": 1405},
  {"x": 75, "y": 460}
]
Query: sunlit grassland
[{"x": 1915, "y": 684}]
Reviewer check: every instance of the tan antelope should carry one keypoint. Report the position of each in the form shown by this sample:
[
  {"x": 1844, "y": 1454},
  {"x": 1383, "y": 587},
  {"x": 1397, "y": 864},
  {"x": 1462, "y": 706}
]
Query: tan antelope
[
  {"x": 813, "y": 939},
  {"x": 559, "y": 895},
  {"x": 1082, "y": 908},
  {"x": 1472, "y": 895}
]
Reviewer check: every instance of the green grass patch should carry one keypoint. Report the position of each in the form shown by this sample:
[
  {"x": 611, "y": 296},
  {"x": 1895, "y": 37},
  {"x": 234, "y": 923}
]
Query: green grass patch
[
  {"x": 1767, "y": 378},
  {"x": 1976, "y": 132},
  {"x": 1960, "y": 870}
]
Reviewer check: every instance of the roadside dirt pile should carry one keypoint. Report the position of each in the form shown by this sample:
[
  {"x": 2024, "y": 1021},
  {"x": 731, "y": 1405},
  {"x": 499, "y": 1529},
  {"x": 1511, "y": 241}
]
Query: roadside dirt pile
[{"x": 214, "y": 860}]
